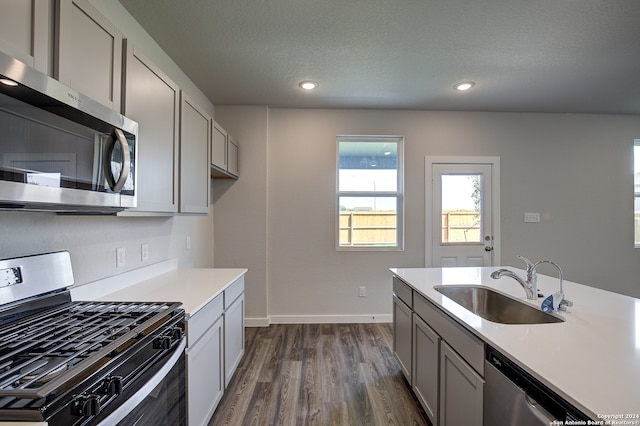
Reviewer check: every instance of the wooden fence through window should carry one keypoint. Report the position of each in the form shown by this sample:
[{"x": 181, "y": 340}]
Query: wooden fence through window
[{"x": 379, "y": 227}]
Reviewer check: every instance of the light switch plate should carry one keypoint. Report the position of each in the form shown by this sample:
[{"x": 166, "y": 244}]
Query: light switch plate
[
  {"x": 120, "y": 257},
  {"x": 531, "y": 217}
]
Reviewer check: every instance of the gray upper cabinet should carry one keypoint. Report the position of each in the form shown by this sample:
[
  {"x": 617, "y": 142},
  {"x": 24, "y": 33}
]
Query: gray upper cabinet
[
  {"x": 224, "y": 153},
  {"x": 89, "y": 52},
  {"x": 194, "y": 157},
  {"x": 153, "y": 100},
  {"x": 218, "y": 148},
  {"x": 24, "y": 32},
  {"x": 232, "y": 156}
]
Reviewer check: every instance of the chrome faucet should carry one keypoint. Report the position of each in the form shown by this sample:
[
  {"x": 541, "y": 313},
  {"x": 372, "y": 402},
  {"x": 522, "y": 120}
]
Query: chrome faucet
[
  {"x": 562, "y": 303},
  {"x": 529, "y": 284}
]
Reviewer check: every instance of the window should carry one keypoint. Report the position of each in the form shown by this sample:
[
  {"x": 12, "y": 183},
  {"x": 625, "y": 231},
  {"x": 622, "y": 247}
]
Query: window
[
  {"x": 636, "y": 190},
  {"x": 369, "y": 193}
]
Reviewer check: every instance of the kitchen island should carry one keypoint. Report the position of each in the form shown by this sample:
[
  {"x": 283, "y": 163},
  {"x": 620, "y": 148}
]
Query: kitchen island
[{"x": 591, "y": 359}]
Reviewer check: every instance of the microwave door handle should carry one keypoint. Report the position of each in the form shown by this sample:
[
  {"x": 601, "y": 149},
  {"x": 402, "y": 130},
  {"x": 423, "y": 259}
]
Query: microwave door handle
[{"x": 116, "y": 186}]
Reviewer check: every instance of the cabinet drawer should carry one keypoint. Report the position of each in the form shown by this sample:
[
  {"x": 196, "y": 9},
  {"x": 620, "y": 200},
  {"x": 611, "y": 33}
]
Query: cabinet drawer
[
  {"x": 200, "y": 322},
  {"x": 463, "y": 342},
  {"x": 403, "y": 291},
  {"x": 232, "y": 292}
]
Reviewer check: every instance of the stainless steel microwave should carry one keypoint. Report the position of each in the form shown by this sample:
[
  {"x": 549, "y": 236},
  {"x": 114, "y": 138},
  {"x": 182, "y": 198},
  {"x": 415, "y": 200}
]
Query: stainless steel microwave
[{"x": 60, "y": 150}]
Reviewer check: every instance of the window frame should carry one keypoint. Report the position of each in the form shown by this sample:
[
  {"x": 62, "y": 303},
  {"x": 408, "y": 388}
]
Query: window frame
[
  {"x": 398, "y": 194},
  {"x": 636, "y": 195}
]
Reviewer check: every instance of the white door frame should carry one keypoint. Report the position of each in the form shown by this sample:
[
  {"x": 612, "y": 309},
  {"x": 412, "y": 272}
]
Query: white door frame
[{"x": 429, "y": 161}]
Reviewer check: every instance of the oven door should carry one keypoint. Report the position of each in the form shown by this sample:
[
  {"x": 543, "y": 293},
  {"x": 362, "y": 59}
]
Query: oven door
[{"x": 161, "y": 401}]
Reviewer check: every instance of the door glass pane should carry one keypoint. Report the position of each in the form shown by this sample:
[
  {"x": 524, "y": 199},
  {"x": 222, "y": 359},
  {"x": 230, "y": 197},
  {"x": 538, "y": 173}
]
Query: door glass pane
[
  {"x": 461, "y": 208},
  {"x": 368, "y": 221}
]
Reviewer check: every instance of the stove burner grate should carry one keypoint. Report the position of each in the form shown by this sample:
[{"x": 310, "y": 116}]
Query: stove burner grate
[{"x": 48, "y": 350}]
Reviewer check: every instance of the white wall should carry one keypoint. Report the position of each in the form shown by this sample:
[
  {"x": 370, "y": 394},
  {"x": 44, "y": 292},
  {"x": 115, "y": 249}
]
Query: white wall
[
  {"x": 576, "y": 170},
  {"x": 92, "y": 241}
]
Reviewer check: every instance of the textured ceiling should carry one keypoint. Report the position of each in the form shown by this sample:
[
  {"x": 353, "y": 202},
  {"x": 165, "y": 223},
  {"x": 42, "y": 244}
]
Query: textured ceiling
[{"x": 580, "y": 56}]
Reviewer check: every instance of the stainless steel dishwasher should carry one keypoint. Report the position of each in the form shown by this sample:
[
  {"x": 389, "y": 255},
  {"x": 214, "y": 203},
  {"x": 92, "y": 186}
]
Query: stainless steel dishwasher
[{"x": 513, "y": 397}]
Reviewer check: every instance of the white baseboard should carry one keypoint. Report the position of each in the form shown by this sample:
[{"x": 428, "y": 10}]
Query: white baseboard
[
  {"x": 256, "y": 322},
  {"x": 317, "y": 319}
]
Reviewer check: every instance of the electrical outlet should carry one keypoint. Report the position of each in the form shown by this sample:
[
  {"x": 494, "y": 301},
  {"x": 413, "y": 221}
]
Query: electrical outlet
[
  {"x": 144, "y": 252},
  {"x": 121, "y": 256},
  {"x": 362, "y": 291},
  {"x": 531, "y": 217},
  {"x": 188, "y": 243}
]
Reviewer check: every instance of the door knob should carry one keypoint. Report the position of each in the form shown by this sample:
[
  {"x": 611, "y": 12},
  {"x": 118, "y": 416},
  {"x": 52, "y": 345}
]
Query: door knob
[{"x": 488, "y": 248}]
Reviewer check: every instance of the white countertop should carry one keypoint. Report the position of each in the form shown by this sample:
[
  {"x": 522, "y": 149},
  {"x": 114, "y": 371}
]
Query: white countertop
[
  {"x": 193, "y": 287},
  {"x": 592, "y": 359}
]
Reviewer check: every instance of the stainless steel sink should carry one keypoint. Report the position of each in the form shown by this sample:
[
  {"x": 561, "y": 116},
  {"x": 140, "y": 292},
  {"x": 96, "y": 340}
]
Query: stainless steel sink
[{"x": 494, "y": 306}]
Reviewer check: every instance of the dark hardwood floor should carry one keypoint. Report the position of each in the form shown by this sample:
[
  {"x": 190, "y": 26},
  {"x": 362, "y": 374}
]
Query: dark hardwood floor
[{"x": 319, "y": 374}]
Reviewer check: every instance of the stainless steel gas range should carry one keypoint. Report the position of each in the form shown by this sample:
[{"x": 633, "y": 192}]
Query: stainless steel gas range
[{"x": 85, "y": 363}]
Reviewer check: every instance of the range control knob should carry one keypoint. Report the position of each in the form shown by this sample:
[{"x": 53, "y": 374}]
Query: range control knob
[
  {"x": 162, "y": 342},
  {"x": 112, "y": 385},
  {"x": 176, "y": 333},
  {"x": 86, "y": 405}
]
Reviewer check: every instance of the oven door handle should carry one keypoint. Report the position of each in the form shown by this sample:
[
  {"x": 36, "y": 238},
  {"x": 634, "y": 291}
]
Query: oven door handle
[{"x": 130, "y": 404}]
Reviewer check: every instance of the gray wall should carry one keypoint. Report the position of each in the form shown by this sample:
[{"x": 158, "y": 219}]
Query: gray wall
[
  {"x": 576, "y": 170},
  {"x": 240, "y": 206}
]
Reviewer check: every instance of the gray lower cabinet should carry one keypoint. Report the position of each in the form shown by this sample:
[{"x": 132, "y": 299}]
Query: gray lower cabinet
[
  {"x": 461, "y": 391},
  {"x": 443, "y": 362},
  {"x": 233, "y": 328},
  {"x": 205, "y": 351},
  {"x": 215, "y": 346},
  {"x": 402, "y": 337},
  {"x": 426, "y": 367}
]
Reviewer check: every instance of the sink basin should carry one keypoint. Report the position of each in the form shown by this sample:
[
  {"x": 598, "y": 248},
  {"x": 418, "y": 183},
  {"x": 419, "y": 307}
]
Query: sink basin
[{"x": 494, "y": 306}]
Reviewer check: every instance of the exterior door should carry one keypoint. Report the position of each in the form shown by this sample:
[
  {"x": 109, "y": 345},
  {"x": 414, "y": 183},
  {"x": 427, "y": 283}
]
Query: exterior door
[{"x": 463, "y": 203}]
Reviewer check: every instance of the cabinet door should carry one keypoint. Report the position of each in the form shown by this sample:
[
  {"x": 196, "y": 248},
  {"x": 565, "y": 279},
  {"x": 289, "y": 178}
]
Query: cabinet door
[
  {"x": 24, "y": 32},
  {"x": 461, "y": 391},
  {"x": 205, "y": 385},
  {"x": 194, "y": 158},
  {"x": 219, "y": 147},
  {"x": 232, "y": 157},
  {"x": 233, "y": 337},
  {"x": 402, "y": 336},
  {"x": 89, "y": 52},
  {"x": 426, "y": 367},
  {"x": 152, "y": 100}
]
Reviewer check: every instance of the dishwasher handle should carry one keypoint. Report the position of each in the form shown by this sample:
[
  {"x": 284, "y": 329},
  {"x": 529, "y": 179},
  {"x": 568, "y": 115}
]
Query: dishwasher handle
[{"x": 537, "y": 410}]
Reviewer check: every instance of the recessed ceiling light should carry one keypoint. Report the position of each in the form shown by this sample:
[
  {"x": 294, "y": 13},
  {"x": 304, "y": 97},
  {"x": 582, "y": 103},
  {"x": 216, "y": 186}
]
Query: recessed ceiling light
[
  {"x": 8, "y": 82},
  {"x": 465, "y": 85},
  {"x": 308, "y": 85}
]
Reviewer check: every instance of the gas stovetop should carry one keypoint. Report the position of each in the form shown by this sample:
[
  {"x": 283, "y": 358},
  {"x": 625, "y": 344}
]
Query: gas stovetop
[
  {"x": 44, "y": 351},
  {"x": 64, "y": 361}
]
